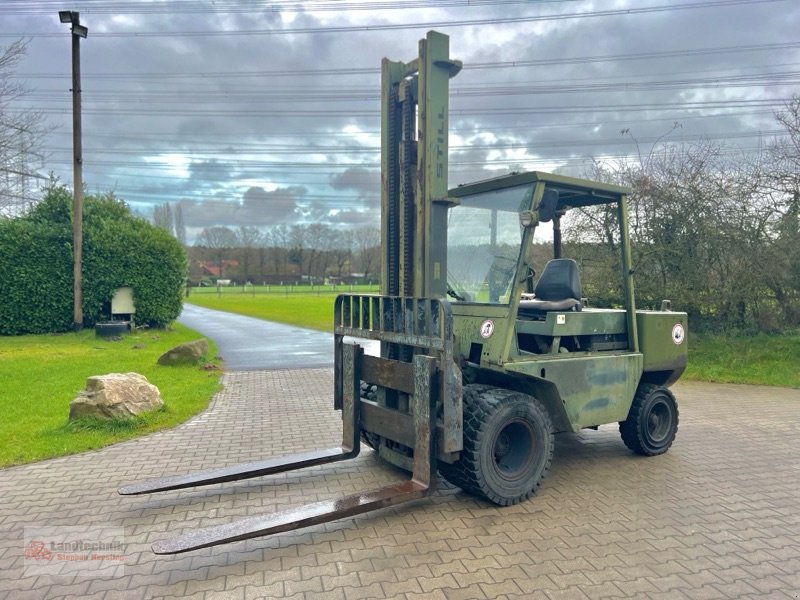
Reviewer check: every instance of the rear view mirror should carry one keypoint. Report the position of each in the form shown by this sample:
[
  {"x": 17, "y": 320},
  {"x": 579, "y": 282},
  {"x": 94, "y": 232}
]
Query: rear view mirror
[{"x": 547, "y": 207}]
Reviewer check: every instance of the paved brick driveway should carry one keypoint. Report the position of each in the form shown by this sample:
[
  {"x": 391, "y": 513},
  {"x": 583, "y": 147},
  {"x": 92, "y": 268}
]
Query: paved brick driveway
[{"x": 717, "y": 517}]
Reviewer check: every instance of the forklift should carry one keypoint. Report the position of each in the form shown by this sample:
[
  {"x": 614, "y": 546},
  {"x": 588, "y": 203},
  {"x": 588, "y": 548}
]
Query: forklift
[{"x": 480, "y": 362}]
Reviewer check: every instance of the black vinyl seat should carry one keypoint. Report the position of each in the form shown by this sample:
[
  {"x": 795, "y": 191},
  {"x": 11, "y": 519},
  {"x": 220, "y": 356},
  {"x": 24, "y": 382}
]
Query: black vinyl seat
[{"x": 558, "y": 288}]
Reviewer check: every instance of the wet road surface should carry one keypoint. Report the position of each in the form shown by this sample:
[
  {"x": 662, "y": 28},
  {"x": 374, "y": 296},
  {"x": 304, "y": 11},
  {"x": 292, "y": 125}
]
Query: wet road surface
[{"x": 249, "y": 344}]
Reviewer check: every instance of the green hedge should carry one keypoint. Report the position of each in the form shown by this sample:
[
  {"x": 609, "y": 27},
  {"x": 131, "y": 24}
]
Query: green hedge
[{"x": 119, "y": 250}]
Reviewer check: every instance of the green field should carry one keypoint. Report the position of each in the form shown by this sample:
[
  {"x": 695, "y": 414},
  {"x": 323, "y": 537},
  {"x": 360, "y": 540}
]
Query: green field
[
  {"x": 284, "y": 290},
  {"x": 304, "y": 306},
  {"x": 41, "y": 374},
  {"x": 762, "y": 359},
  {"x": 757, "y": 359}
]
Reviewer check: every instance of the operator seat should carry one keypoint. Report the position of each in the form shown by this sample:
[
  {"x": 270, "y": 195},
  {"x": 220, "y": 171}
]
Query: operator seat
[{"x": 558, "y": 288}]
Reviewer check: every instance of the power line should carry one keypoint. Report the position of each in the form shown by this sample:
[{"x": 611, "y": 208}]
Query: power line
[
  {"x": 26, "y": 7},
  {"x": 515, "y": 64},
  {"x": 285, "y": 149},
  {"x": 236, "y": 137},
  {"x": 310, "y": 95},
  {"x": 328, "y": 113},
  {"x": 264, "y": 168},
  {"x": 402, "y": 26}
]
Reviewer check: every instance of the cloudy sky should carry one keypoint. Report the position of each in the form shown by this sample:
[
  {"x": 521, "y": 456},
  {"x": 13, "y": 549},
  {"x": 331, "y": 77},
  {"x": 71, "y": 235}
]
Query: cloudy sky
[{"x": 256, "y": 112}]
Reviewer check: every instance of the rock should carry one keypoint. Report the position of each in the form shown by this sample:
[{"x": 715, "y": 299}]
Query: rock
[
  {"x": 189, "y": 353},
  {"x": 115, "y": 396}
]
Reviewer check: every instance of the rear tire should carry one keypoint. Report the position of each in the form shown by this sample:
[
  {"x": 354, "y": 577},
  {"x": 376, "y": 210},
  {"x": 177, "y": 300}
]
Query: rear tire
[
  {"x": 652, "y": 421},
  {"x": 508, "y": 445}
]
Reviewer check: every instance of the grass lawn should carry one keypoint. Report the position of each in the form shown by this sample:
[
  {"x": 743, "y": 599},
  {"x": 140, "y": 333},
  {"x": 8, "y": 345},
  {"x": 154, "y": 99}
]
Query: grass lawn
[
  {"x": 758, "y": 359},
  {"x": 311, "y": 310},
  {"x": 41, "y": 374},
  {"x": 287, "y": 290}
]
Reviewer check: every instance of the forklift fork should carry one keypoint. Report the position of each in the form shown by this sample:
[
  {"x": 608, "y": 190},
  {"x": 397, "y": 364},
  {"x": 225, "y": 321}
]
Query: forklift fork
[{"x": 420, "y": 484}]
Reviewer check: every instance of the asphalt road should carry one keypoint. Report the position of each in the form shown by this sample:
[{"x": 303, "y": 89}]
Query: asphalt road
[{"x": 248, "y": 344}]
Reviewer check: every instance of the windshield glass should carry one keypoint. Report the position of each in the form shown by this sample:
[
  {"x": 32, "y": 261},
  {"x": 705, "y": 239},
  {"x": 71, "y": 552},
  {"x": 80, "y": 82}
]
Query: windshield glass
[{"x": 483, "y": 243}]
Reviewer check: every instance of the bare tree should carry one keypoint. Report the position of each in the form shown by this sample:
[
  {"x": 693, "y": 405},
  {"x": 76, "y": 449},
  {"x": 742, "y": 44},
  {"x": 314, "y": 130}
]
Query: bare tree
[
  {"x": 784, "y": 258},
  {"x": 162, "y": 217},
  {"x": 786, "y": 150},
  {"x": 180, "y": 224},
  {"x": 248, "y": 239},
  {"x": 277, "y": 239},
  {"x": 320, "y": 242},
  {"x": 298, "y": 240},
  {"x": 21, "y": 133},
  {"x": 342, "y": 250},
  {"x": 702, "y": 222},
  {"x": 367, "y": 243},
  {"x": 219, "y": 241}
]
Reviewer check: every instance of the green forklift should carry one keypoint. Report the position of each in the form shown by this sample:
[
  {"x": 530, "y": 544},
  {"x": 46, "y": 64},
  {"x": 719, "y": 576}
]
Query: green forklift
[{"x": 481, "y": 362}]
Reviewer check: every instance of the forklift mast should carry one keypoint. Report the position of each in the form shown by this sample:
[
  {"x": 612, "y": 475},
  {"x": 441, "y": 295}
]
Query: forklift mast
[{"x": 414, "y": 148}]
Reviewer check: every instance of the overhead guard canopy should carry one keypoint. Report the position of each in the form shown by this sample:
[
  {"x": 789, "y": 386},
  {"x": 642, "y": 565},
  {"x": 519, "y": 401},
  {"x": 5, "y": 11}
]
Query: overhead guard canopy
[{"x": 572, "y": 191}]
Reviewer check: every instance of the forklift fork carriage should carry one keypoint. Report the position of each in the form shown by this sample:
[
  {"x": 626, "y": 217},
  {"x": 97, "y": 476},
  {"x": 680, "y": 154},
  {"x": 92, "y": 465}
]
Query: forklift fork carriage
[{"x": 426, "y": 325}]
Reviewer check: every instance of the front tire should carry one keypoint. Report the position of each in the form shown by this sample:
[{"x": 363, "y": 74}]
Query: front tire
[
  {"x": 508, "y": 445},
  {"x": 652, "y": 421}
]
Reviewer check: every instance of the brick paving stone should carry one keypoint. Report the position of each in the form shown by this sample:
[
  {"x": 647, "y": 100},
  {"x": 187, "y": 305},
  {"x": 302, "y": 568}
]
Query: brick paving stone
[
  {"x": 715, "y": 517},
  {"x": 233, "y": 594},
  {"x": 708, "y": 592},
  {"x": 567, "y": 593},
  {"x": 406, "y": 586},
  {"x": 274, "y": 590},
  {"x": 493, "y": 590},
  {"x": 529, "y": 596},
  {"x": 364, "y": 592},
  {"x": 465, "y": 593},
  {"x": 605, "y": 590},
  {"x": 370, "y": 577}
]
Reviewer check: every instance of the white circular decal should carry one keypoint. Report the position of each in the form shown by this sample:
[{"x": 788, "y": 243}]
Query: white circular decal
[
  {"x": 678, "y": 334},
  {"x": 487, "y": 328}
]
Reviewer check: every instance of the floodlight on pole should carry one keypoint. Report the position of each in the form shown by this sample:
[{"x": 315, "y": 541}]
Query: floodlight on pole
[{"x": 78, "y": 31}]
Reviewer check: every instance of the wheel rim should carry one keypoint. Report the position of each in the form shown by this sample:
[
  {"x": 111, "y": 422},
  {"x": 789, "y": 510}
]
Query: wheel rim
[
  {"x": 513, "y": 450},
  {"x": 659, "y": 422}
]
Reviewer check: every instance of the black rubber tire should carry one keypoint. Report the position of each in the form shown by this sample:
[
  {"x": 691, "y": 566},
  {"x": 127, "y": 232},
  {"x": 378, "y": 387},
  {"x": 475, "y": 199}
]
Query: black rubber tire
[
  {"x": 370, "y": 439},
  {"x": 369, "y": 392},
  {"x": 652, "y": 421},
  {"x": 508, "y": 445}
]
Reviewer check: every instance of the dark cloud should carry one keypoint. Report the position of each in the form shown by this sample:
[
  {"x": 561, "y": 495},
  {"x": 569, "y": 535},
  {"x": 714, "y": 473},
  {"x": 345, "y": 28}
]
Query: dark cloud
[
  {"x": 365, "y": 185},
  {"x": 257, "y": 208},
  {"x": 282, "y": 112},
  {"x": 277, "y": 206},
  {"x": 365, "y": 182},
  {"x": 210, "y": 171}
]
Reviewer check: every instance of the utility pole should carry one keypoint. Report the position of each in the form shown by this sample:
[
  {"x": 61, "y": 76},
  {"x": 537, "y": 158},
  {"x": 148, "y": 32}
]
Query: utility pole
[{"x": 78, "y": 32}]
